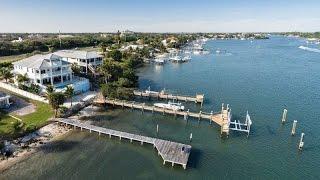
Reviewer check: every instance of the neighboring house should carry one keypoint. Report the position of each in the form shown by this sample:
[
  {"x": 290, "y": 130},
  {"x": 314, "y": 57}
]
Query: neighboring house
[
  {"x": 49, "y": 69},
  {"x": 86, "y": 60}
]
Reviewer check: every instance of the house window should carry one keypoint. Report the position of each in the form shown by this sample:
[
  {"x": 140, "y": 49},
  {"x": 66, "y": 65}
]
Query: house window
[
  {"x": 37, "y": 71},
  {"x": 43, "y": 71}
]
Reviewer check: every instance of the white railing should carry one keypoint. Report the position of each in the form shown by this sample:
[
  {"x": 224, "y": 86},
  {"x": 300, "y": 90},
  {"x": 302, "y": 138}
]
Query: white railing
[{"x": 22, "y": 92}]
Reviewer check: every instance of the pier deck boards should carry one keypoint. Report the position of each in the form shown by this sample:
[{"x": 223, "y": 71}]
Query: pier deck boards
[
  {"x": 220, "y": 118},
  {"x": 173, "y": 152},
  {"x": 199, "y": 98}
]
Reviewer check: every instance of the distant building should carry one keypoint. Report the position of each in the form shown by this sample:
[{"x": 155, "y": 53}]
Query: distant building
[
  {"x": 49, "y": 69},
  {"x": 86, "y": 60},
  {"x": 126, "y": 32},
  {"x": 17, "y": 40},
  {"x": 65, "y": 36}
]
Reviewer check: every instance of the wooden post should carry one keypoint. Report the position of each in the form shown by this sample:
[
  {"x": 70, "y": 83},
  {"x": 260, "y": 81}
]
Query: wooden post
[
  {"x": 200, "y": 115},
  {"x": 164, "y": 162},
  {"x": 211, "y": 117},
  {"x": 143, "y": 108},
  {"x": 284, "y": 115},
  {"x": 163, "y": 111},
  {"x": 157, "y": 128},
  {"x": 190, "y": 137},
  {"x": 152, "y": 109},
  {"x": 188, "y": 114},
  {"x": 294, "y": 125},
  {"x": 301, "y": 143},
  {"x": 222, "y": 107},
  {"x": 172, "y": 164}
]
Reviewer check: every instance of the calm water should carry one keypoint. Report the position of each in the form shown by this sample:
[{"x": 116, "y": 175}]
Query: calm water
[{"x": 263, "y": 77}]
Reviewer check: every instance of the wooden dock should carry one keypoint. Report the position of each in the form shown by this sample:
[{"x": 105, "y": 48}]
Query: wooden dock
[
  {"x": 172, "y": 152},
  {"x": 221, "y": 118},
  {"x": 199, "y": 98}
]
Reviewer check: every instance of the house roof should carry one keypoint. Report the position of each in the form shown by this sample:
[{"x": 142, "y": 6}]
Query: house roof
[
  {"x": 38, "y": 61},
  {"x": 78, "y": 54}
]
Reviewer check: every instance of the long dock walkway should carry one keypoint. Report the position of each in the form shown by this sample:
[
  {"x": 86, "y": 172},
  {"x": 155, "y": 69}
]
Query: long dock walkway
[
  {"x": 172, "y": 152},
  {"x": 199, "y": 98},
  {"x": 222, "y": 118}
]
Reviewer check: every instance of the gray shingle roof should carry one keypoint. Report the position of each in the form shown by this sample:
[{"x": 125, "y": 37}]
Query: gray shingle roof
[
  {"x": 78, "y": 54},
  {"x": 37, "y": 61}
]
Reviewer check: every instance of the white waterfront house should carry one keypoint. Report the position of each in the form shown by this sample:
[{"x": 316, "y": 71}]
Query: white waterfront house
[
  {"x": 50, "y": 69},
  {"x": 86, "y": 60}
]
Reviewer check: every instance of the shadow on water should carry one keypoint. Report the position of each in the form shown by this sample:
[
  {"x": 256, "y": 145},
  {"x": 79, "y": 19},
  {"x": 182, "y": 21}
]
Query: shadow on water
[
  {"x": 58, "y": 146},
  {"x": 194, "y": 158}
]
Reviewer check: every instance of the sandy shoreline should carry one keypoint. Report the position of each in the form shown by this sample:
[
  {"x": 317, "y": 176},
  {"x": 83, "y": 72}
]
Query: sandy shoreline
[{"x": 41, "y": 137}]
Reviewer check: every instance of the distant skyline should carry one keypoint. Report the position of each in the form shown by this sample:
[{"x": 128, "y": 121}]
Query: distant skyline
[{"x": 159, "y": 16}]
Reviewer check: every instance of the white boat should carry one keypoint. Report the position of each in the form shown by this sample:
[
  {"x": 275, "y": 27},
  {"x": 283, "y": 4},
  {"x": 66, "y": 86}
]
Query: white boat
[
  {"x": 176, "y": 58},
  {"x": 187, "y": 52},
  {"x": 170, "y": 105},
  {"x": 159, "y": 61},
  {"x": 148, "y": 91},
  {"x": 186, "y": 58}
]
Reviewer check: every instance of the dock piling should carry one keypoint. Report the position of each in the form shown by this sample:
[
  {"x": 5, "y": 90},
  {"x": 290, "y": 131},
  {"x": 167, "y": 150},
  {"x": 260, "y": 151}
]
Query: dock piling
[
  {"x": 284, "y": 116},
  {"x": 301, "y": 143},
  {"x": 294, "y": 125},
  {"x": 157, "y": 128},
  {"x": 190, "y": 137}
]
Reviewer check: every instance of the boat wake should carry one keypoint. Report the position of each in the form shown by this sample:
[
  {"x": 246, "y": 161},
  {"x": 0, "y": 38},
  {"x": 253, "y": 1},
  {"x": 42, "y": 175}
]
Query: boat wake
[{"x": 309, "y": 49}]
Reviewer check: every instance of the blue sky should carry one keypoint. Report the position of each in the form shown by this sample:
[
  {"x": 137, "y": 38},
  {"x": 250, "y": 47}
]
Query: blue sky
[{"x": 159, "y": 16}]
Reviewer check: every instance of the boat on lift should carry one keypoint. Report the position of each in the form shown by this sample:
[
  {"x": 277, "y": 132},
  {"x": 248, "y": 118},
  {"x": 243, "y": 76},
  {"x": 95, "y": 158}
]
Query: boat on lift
[
  {"x": 170, "y": 105},
  {"x": 176, "y": 58},
  {"x": 159, "y": 61},
  {"x": 148, "y": 91},
  {"x": 186, "y": 58}
]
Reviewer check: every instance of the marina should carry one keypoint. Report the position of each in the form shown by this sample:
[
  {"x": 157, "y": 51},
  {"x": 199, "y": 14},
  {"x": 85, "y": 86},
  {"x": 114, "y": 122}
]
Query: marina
[
  {"x": 171, "y": 152},
  {"x": 257, "y": 76}
]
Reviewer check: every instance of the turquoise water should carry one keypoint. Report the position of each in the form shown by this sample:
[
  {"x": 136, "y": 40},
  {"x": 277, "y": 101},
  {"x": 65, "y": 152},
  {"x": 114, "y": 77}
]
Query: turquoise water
[{"x": 262, "y": 77}]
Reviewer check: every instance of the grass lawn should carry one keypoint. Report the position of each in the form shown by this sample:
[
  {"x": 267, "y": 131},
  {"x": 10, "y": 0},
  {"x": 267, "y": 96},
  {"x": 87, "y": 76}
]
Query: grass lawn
[
  {"x": 30, "y": 122},
  {"x": 6, "y": 125},
  {"x": 14, "y": 57}
]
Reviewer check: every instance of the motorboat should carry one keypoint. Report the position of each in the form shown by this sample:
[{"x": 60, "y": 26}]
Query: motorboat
[
  {"x": 159, "y": 61},
  {"x": 148, "y": 91},
  {"x": 170, "y": 105},
  {"x": 176, "y": 58},
  {"x": 186, "y": 58}
]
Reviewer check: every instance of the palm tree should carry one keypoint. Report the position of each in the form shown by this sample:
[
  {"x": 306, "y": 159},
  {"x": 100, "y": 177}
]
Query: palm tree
[
  {"x": 6, "y": 74},
  {"x": 69, "y": 93},
  {"x": 56, "y": 99},
  {"x": 22, "y": 78},
  {"x": 50, "y": 91}
]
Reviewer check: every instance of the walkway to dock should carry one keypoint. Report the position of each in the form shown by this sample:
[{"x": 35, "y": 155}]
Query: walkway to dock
[
  {"x": 199, "y": 98},
  {"x": 222, "y": 118},
  {"x": 172, "y": 152}
]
